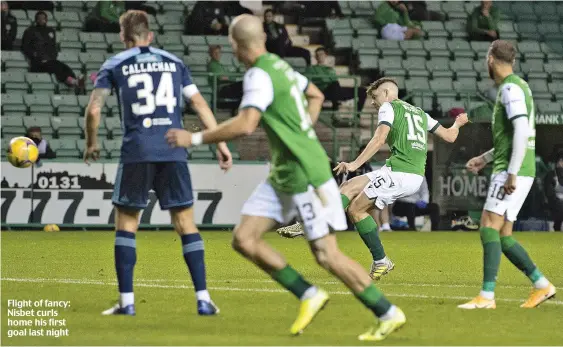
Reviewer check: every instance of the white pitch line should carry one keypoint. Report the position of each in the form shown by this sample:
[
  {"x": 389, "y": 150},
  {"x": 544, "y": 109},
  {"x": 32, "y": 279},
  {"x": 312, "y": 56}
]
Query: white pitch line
[{"x": 234, "y": 289}]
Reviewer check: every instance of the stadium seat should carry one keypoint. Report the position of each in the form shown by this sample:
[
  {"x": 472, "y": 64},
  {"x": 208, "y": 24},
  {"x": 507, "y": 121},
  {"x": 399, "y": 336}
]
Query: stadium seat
[
  {"x": 113, "y": 125},
  {"x": 92, "y": 60},
  {"x": 14, "y": 80},
  {"x": 552, "y": 50},
  {"x": 463, "y": 67},
  {"x": 69, "y": 40},
  {"x": 13, "y": 60},
  {"x": 389, "y": 48},
  {"x": 172, "y": 43},
  {"x": 43, "y": 122},
  {"x": 550, "y": 31},
  {"x": 523, "y": 10},
  {"x": 437, "y": 47},
  {"x": 391, "y": 67},
  {"x": 342, "y": 41},
  {"x": 442, "y": 84},
  {"x": 368, "y": 61},
  {"x": 12, "y": 103},
  {"x": 68, "y": 19},
  {"x": 332, "y": 24},
  {"x": 530, "y": 50},
  {"x": 460, "y": 49},
  {"x": 484, "y": 86},
  {"x": 70, "y": 58},
  {"x": 65, "y": 148},
  {"x": 12, "y": 125},
  {"x": 454, "y": 9},
  {"x": 533, "y": 68},
  {"x": 66, "y": 105},
  {"x": 480, "y": 47},
  {"x": 66, "y": 126},
  {"x": 113, "y": 41},
  {"x": 113, "y": 148},
  {"x": 506, "y": 30},
  {"x": 527, "y": 30},
  {"x": 555, "y": 87},
  {"x": 417, "y": 84},
  {"x": 361, "y": 23},
  {"x": 465, "y": 84},
  {"x": 540, "y": 89},
  {"x": 414, "y": 63},
  {"x": 434, "y": 29},
  {"x": 424, "y": 101},
  {"x": 456, "y": 29},
  {"x": 193, "y": 40},
  {"x": 549, "y": 108},
  {"x": 412, "y": 48},
  {"x": 447, "y": 103},
  {"x": 38, "y": 102},
  {"x": 439, "y": 67},
  {"x": 40, "y": 82}
]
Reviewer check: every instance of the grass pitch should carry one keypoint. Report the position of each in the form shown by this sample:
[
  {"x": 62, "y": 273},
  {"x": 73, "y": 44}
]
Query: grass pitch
[{"x": 434, "y": 272}]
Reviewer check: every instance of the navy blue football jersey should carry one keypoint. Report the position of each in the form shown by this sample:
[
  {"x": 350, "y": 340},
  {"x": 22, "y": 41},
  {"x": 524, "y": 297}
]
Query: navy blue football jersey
[{"x": 149, "y": 84}]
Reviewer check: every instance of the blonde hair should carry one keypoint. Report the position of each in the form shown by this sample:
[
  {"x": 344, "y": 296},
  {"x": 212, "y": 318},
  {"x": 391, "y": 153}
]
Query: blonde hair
[{"x": 134, "y": 25}]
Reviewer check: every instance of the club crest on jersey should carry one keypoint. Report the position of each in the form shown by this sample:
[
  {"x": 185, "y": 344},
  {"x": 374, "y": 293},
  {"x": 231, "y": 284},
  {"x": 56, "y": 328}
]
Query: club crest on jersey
[{"x": 148, "y": 58}]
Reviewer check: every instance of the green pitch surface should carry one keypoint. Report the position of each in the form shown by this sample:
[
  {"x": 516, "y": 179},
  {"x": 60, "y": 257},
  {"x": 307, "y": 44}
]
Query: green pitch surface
[{"x": 434, "y": 272}]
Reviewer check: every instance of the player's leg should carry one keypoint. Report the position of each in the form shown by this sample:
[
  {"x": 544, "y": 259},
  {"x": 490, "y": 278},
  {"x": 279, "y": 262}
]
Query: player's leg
[
  {"x": 261, "y": 213},
  {"x": 130, "y": 196},
  {"x": 173, "y": 187},
  {"x": 316, "y": 219},
  {"x": 517, "y": 255}
]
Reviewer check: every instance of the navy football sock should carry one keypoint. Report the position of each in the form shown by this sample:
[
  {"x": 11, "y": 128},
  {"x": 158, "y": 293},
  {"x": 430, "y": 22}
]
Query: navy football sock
[
  {"x": 125, "y": 259},
  {"x": 192, "y": 246}
]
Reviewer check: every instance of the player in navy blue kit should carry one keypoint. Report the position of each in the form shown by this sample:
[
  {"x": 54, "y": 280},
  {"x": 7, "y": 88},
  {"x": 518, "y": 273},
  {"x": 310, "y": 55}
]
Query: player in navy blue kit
[{"x": 150, "y": 84}]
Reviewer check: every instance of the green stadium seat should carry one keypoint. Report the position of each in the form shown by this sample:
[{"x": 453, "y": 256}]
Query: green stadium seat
[
  {"x": 389, "y": 48},
  {"x": 533, "y": 68},
  {"x": 193, "y": 40},
  {"x": 12, "y": 103},
  {"x": 485, "y": 85},
  {"x": 172, "y": 43},
  {"x": 460, "y": 49},
  {"x": 13, "y": 60},
  {"x": 361, "y": 8},
  {"x": 113, "y": 125},
  {"x": 479, "y": 46},
  {"x": 172, "y": 28},
  {"x": 343, "y": 41},
  {"x": 463, "y": 67},
  {"x": 368, "y": 61},
  {"x": 555, "y": 87},
  {"x": 297, "y": 63},
  {"x": 66, "y": 105},
  {"x": 65, "y": 148},
  {"x": 437, "y": 47},
  {"x": 454, "y": 9},
  {"x": 72, "y": 5},
  {"x": 506, "y": 30},
  {"x": 538, "y": 86},
  {"x": 68, "y": 19},
  {"x": 36, "y": 121},
  {"x": 439, "y": 67},
  {"x": 112, "y": 106},
  {"x": 390, "y": 64},
  {"x": 361, "y": 23},
  {"x": 550, "y": 31},
  {"x": 344, "y": 31},
  {"x": 456, "y": 29},
  {"x": 92, "y": 60},
  {"x": 465, "y": 84},
  {"x": 14, "y": 80},
  {"x": 12, "y": 125},
  {"x": 417, "y": 84},
  {"x": 434, "y": 29},
  {"x": 442, "y": 84},
  {"x": 549, "y": 108},
  {"x": 424, "y": 101},
  {"x": 217, "y": 40},
  {"x": 414, "y": 63},
  {"x": 447, "y": 103},
  {"x": 527, "y": 30},
  {"x": 38, "y": 102},
  {"x": 68, "y": 40},
  {"x": 21, "y": 17},
  {"x": 170, "y": 6},
  {"x": 552, "y": 49},
  {"x": 83, "y": 101},
  {"x": 412, "y": 48},
  {"x": 70, "y": 58},
  {"x": 66, "y": 126},
  {"x": 332, "y": 24},
  {"x": 114, "y": 41},
  {"x": 40, "y": 82},
  {"x": 522, "y": 9},
  {"x": 113, "y": 148},
  {"x": 470, "y": 6}
]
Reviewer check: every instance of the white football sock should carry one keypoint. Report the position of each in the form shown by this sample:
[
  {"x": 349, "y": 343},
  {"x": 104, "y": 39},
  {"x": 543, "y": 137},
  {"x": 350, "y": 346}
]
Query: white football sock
[
  {"x": 385, "y": 226},
  {"x": 309, "y": 293},
  {"x": 203, "y": 295},
  {"x": 126, "y": 299},
  {"x": 390, "y": 313},
  {"x": 541, "y": 283},
  {"x": 382, "y": 261},
  {"x": 487, "y": 295}
]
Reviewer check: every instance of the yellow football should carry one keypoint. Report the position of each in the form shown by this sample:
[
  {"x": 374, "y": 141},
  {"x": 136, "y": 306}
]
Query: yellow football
[
  {"x": 22, "y": 152},
  {"x": 51, "y": 228}
]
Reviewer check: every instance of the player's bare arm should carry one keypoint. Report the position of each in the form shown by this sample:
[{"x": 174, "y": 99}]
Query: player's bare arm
[
  {"x": 208, "y": 119},
  {"x": 450, "y": 134},
  {"x": 92, "y": 121},
  {"x": 315, "y": 99},
  {"x": 372, "y": 147},
  {"x": 245, "y": 123},
  {"x": 477, "y": 163}
]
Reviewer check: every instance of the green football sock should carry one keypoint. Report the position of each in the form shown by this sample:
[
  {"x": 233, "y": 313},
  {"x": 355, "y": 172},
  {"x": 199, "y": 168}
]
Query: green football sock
[
  {"x": 518, "y": 256},
  {"x": 345, "y": 201},
  {"x": 291, "y": 280},
  {"x": 367, "y": 228},
  {"x": 374, "y": 299},
  {"x": 490, "y": 239}
]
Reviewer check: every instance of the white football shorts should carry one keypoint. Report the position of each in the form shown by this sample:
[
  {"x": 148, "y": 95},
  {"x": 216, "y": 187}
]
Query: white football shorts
[
  {"x": 386, "y": 186},
  {"x": 317, "y": 209},
  {"x": 503, "y": 204}
]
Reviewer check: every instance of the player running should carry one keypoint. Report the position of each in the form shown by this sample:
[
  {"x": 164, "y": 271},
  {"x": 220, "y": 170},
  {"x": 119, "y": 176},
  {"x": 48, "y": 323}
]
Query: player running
[
  {"x": 404, "y": 127},
  {"x": 514, "y": 169},
  {"x": 150, "y": 84},
  {"x": 300, "y": 182}
]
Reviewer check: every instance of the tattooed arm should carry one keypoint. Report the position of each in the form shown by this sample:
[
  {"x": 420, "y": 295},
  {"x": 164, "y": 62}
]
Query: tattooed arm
[{"x": 93, "y": 115}]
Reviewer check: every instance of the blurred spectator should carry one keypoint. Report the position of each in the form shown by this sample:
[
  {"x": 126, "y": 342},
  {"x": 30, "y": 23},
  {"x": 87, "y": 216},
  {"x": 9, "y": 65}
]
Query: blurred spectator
[
  {"x": 554, "y": 192},
  {"x": 207, "y": 18},
  {"x": 140, "y": 5},
  {"x": 278, "y": 41},
  {"x": 321, "y": 9},
  {"x": 392, "y": 18},
  {"x": 39, "y": 45},
  {"x": 45, "y": 151},
  {"x": 419, "y": 12},
  {"x": 234, "y": 8},
  {"x": 9, "y": 27},
  {"x": 32, "y": 5},
  {"x": 482, "y": 23},
  {"x": 228, "y": 87},
  {"x": 418, "y": 204},
  {"x": 104, "y": 17},
  {"x": 324, "y": 77}
]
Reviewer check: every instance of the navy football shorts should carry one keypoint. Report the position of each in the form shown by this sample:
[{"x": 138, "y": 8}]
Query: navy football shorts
[{"x": 170, "y": 180}]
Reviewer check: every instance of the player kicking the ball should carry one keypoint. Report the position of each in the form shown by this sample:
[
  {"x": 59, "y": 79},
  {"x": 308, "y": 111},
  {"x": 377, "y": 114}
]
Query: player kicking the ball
[
  {"x": 514, "y": 169},
  {"x": 404, "y": 127},
  {"x": 150, "y": 84},
  {"x": 300, "y": 182}
]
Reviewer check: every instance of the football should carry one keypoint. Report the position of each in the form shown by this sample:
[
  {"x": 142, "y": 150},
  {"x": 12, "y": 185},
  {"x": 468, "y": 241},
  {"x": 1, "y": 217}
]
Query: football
[
  {"x": 51, "y": 228},
  {"x": 22, "y": 152}
]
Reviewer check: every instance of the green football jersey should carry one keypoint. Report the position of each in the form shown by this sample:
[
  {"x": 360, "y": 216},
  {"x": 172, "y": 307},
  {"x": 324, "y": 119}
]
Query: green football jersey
[
  {"x": 408, "y": 136},
  {"x": 514, "y": 100},
  {"x": 298, "y": 158}
]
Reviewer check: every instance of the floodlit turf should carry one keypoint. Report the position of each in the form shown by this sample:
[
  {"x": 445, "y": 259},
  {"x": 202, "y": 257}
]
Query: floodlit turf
[{"x": 434, "y": 272}]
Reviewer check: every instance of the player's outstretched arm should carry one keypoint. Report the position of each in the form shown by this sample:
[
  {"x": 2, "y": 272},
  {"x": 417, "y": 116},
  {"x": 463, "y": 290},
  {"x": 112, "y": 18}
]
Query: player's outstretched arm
[
  {"x": 477, "y": 163},
  {"x": 372, "y": 147},
  {"x": 450, "y": 134},
  {"x": 92, "y": 122},
  {"x": 315, "y": 99}
]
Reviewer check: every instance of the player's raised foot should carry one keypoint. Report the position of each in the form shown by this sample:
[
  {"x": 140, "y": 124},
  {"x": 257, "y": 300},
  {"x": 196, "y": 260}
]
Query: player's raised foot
[
  {"x": 128, "y": 310},
  {"x": 291, "y": 231},
  {"x": 537, "y": 296},
  {"x": 380, "y": 268},
  {"x": 207, "y": 308},
  {"x": 308, "y": 310},
  {"x": 385, "y": 327},
  {"x": 478, "y": 302}
]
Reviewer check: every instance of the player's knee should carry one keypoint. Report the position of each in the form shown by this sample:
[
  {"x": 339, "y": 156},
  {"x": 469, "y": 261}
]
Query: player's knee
[
  {"x": 241, "y": 244},
  {"x": 326, "y": 257},
  {"x": 126, "y": 219},
  {"x": 183, "y": 221},
  {"x": 356, "y": 211}
]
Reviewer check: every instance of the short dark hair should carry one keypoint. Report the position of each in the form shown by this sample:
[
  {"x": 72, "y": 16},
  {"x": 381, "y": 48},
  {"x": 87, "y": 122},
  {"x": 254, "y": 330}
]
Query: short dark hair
[
  {"x": 503, "y": 51},
  {"x": 321, "y": 48},
  {"x": 268, "y": 10},
  {"x": 372, "y": 87},
  {"x": 38, "y": 13},
  {"x": 214, "y": 47},
  {"x": 33, "y": 129}
]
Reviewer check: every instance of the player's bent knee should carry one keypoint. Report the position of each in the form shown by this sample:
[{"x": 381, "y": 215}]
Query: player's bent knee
[
  {"x": 183, "y": 220},
  {"x": 243, "y": 244}
]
